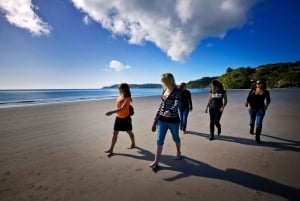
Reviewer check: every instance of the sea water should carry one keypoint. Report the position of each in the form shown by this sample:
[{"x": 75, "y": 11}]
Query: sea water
[{"x": 13, "y": 98}]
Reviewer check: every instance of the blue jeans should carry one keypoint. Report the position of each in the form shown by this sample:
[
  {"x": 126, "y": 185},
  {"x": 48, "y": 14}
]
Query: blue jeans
[
  {"x": 163, "y": 127},
  {"x": 258, "y": 116},
  {"x": 183, "y": 114}
]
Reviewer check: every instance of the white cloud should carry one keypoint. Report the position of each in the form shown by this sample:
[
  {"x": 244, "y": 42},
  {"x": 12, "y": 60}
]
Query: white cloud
[
  {"x": 175, "y": 26},
  {"x": 21, "y": 13},
  {"x": 117, "y": 65},
  {"x": 86, "y": 20}
]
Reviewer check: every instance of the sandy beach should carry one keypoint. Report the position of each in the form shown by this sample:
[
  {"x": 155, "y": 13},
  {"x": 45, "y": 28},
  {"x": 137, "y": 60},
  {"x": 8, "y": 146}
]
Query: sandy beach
[{"x": 56, "y": 152}]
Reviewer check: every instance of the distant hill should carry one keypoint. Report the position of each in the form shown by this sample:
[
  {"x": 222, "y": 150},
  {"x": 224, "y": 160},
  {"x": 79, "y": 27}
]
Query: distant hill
[
  {"x": 135, "y": 86},
  {"x": 279, "y": 75},
  {"x": 200, "y": 83}
]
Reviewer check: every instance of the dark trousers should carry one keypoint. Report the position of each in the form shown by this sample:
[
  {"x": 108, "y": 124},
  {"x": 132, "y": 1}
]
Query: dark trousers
[{"x": 215, "y": 116}]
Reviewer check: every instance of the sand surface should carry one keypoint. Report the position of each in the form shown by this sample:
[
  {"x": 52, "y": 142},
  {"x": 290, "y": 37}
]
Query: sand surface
[{"x": 56, "y": 152}]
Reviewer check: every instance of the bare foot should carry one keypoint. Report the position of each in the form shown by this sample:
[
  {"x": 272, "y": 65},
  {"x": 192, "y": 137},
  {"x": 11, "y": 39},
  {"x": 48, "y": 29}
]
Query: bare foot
[
  {"x": 109, "y": 151},
  {"x": 178, "y": 157},
  {"x": 131, "y": 146},
  {"x": 154, "y": 164}
]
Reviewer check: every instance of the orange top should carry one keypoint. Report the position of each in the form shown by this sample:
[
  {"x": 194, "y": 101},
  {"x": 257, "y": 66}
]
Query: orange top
[{"x": 121, "y": 100}]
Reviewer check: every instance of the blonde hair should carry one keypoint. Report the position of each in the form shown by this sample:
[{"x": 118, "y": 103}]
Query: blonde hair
[{"x": 168, "y": 80}]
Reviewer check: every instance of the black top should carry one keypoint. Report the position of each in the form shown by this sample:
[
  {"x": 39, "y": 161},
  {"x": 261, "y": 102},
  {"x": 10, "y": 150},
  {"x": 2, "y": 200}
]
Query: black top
[
  {"x": 257, "y": 101},
  {"x": 170, "y": 104},
  {"x": 186, "y": 99},
  {"x": 217, "y": 98}
]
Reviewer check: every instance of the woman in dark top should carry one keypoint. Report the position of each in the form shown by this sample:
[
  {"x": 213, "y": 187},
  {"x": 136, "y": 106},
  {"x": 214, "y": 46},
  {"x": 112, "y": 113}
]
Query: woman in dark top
[
  {"x": 167, "y": 117},
  {"x": 257, "y": 107},
  {"x": 216, "y": 106},
  {"x": 185, "y": 107}
]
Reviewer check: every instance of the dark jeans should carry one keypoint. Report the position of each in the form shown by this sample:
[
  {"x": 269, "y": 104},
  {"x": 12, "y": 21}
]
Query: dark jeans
[
  {"x": 257, "y": 115},
  {"x": 183, "y": 114},
  {"x": 215, "y": 116}
]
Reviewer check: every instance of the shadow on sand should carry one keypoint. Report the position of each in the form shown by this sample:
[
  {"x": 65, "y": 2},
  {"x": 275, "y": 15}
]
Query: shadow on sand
[
  {"x": 285, "y": 145},
  {"x": 187, "y": 167}
]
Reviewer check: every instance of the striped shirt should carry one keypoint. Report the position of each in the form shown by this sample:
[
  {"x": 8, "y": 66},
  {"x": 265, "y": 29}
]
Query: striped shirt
[{"x": 170, "y": 104}]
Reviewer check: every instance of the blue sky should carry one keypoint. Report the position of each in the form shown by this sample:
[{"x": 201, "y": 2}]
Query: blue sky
[{"x": 90, "y": 43}]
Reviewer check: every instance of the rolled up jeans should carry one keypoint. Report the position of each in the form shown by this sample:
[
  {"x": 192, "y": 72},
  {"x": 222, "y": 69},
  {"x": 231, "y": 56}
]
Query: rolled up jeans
[
  {"x": 257, "y": 115},
  {"x": 163, "y": 128}
]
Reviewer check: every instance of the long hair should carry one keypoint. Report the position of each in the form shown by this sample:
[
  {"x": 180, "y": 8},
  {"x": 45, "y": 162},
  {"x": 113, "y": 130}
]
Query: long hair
[
  {"x": 168, "y": 80},
  {"x": 126, "y": 90},
  {"x": 217, "y": 83}
]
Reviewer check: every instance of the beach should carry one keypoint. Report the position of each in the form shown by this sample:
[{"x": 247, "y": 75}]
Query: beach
[{"x": 56, "y": 152}]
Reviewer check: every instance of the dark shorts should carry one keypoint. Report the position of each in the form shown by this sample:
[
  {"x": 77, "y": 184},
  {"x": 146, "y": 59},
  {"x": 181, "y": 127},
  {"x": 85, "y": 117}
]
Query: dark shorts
[{"x": 123, "y": 124}]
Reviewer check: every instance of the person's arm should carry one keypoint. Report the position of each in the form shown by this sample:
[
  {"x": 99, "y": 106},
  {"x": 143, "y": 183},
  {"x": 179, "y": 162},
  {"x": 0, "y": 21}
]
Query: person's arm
[
  {"x": 268, "y": 99},
  {"x": 208, "y": 102},
  {"x": 119, "y": 109},
  {"x": 190, "y": 102},
  {"x": 248, "y": 99},
  {"x": 225, "y": 102}
]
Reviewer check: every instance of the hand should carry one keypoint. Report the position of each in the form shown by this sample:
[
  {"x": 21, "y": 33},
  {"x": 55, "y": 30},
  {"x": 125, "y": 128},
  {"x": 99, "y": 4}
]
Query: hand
[
  {"x": 206, "y": 110},
  {"x": 191, "y": 109},
  {"x": 221, "y": 109},
  {"x": 153, "y": 127},
  {"x": 109, "y": 113},
  {"x": 167, "y": 113},
  {"x": 249, "y": 107}
]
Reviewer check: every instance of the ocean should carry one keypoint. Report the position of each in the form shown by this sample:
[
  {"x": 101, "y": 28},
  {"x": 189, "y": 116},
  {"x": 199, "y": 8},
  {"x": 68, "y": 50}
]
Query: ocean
[{"x": 14, "y": 98}]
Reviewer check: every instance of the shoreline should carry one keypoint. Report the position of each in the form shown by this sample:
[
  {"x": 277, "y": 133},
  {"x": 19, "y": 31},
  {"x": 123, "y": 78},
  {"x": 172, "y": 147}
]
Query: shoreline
[{"x": 32, "y": 103}]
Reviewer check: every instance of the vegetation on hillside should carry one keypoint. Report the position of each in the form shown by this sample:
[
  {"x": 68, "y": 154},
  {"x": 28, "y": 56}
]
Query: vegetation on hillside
[{"x": 279, "y": 75}]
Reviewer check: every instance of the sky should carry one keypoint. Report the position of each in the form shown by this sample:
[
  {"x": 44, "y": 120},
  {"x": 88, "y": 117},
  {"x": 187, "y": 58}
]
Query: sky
[{"x": 94, "y": 43}]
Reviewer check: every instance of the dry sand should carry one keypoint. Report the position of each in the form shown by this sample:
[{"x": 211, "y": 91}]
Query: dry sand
[{"x": 56, "y": 152}]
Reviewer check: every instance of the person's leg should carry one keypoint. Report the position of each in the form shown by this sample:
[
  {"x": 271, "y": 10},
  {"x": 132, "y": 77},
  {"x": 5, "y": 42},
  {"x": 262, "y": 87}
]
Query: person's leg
[
  {"x": 252, "y": 115},
  {"x": 217, "y": 121},
  {"x": 181, "y": 118},
  {"x": 184, "y": 119},
  {"x": 161, "y": 135},
  {"x": 212, "y": 114},
  {"x": 175, "y": 135},
  {"x": 131, "y": 135},
  {"x": 113, "y": 142},
  {"x": 259, "y": 121}
]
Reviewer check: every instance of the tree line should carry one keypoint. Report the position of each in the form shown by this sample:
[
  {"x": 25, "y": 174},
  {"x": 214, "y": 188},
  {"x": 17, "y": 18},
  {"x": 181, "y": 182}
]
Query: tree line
[{"x": 279, "y": 75}]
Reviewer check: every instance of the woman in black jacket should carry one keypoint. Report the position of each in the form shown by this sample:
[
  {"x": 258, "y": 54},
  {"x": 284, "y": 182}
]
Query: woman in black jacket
[{"x": 258, "y": 101}]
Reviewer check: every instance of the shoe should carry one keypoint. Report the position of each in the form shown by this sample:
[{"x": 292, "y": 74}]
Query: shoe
[
  {"x": 251, "y": 129},
  {"x": 257, "y": 135},
  {"x": 211, "y": 137}
]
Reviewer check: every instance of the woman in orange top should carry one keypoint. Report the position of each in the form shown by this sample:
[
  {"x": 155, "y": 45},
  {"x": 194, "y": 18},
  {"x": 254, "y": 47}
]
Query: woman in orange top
[{"x": 123, "y": 119}]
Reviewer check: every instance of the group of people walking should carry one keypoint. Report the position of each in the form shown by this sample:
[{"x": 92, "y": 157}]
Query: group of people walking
[{"x": 173, "y": 111}]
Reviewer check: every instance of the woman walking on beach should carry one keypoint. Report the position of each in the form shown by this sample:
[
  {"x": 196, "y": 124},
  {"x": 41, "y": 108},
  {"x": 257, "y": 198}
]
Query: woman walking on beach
[
  {"x": 167, "y": 117},
  {"x": 123, "y": 119},
  {"x": 216, "y": 106},
  {"x": 185, "y": 107},
  {"x": 257, "y": 107}
]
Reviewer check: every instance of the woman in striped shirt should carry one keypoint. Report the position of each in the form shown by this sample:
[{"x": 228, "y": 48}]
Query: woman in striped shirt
[{"x": 167, "y": 117}]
